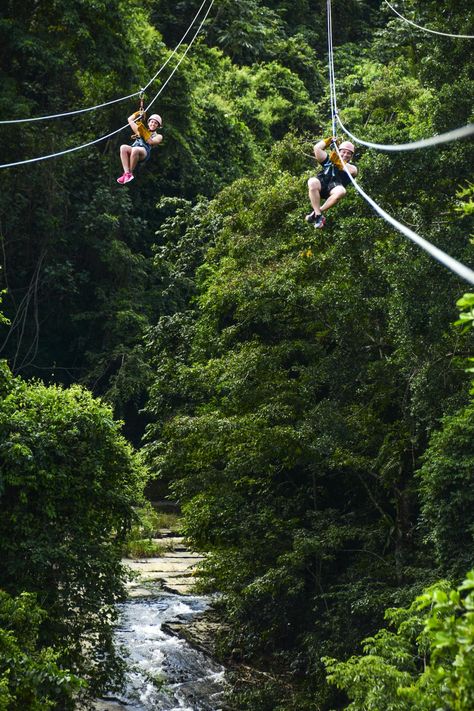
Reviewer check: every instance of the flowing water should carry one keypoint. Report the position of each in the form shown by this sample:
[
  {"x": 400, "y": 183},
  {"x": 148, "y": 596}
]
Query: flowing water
[{"x": 165, "y": 672}]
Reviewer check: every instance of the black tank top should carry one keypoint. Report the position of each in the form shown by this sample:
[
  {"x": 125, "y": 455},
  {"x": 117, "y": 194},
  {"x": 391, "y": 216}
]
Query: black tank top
[{"x": 333, "y": 174}]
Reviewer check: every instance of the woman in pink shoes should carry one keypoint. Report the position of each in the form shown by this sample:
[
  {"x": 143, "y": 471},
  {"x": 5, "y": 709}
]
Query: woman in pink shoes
[{"x": 141, "y": 148}]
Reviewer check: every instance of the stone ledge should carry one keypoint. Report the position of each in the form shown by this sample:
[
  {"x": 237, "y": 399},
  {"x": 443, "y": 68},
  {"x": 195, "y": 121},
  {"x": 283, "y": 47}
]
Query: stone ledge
[{"x": 200, "y": 632}]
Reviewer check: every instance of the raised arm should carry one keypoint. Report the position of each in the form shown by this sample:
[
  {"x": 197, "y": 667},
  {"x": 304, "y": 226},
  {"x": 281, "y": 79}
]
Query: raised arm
[
  {"x": 131, "y": 120},
  {"x": 320, "y": 149}
]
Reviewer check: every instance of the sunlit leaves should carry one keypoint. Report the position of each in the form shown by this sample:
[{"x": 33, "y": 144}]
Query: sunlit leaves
[{"x": 426, "y": 663}]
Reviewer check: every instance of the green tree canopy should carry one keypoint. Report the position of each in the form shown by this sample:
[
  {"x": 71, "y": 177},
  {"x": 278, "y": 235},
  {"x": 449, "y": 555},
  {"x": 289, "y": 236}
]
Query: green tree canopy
[
  {"x": 69, "y": 482},
  {"x": 425, "y": 664}
]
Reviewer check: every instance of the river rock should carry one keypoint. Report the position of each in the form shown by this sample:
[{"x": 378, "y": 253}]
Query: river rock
[
  {"x": 174, "y": 570},
  {"x": 201, "y": 632}
]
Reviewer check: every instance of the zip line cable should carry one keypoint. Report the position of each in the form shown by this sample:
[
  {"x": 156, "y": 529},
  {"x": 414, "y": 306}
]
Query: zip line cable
[
  {"x": 184, "y": 54},
  {"x": 438, "y": 254},
  {"x": 178, "y": 45},
  {"x": 449, "y": 262},
  {"x": 333, "y": 72},
  {"x": 113, "y": 133},
  {"x": 68, "y": 150},
  {"x": 426, "y": 29},
  {"x": 453, "y": 135},
  {"x": 113, "y": 101},
  {"x": 70, "y": 113},
  {"x": 332, "y": 95}
]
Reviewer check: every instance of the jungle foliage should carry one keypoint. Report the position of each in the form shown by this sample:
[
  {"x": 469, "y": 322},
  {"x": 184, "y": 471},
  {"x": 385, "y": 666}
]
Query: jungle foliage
[
  {"x": 30, "y": 677},
  {"x": 68, "y": 487},
  {"x": 304, "y": 393},
  {"x": 425, "y": 663}
]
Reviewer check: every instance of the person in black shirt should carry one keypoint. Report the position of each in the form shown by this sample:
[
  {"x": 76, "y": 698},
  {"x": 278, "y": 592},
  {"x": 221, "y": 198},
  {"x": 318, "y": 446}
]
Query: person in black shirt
[{"x": 330, "y": 184}]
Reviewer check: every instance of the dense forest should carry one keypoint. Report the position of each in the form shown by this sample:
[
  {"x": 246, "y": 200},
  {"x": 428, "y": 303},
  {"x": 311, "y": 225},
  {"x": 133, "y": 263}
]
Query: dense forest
[{"x": 304, "y": 395}]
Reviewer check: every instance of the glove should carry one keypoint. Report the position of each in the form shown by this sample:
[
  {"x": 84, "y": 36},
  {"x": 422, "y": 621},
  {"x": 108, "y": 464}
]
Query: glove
[
  {"x": 143, "y": 131},
  {"x": 335, "y": 160},
  {"x": 328, "y": 141}
]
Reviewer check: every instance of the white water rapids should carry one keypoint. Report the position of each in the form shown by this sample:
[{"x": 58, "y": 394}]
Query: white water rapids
[{"x": 164, "y": 672}]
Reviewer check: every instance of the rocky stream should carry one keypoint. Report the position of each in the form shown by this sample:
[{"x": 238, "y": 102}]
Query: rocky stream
[{"x": 165, "y": 671}]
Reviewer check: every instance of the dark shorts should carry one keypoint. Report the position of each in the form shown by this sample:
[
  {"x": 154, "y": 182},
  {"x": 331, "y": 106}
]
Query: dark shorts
[
  {"x": 140, "y": 143},
  {"x": 327, "y": 184}
]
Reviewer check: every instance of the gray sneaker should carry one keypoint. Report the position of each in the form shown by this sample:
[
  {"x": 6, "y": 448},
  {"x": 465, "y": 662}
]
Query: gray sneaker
[{"x": 311, "y": 217}]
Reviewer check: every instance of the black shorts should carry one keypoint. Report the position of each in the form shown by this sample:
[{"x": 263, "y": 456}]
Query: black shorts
[{"x": 327, "y": 184}]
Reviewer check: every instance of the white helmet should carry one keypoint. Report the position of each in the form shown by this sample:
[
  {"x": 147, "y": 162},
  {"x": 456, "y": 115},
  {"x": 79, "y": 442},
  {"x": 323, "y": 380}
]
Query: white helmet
[
  {"x": 347, "y": 145},
  {"x": 157, "y": 118}
]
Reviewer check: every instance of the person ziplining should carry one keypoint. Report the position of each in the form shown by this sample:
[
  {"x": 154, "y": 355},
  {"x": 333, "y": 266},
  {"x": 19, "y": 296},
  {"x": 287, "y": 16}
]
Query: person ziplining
[
  {"x": 330, "y": 184},
  {"x": 321, "y": 185},
  {"x": 142, "y": 154},
  {"x": 145, "y": 137}
]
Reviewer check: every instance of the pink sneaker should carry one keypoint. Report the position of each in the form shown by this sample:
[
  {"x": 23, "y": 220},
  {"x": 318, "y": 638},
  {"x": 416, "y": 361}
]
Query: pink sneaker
[
  {"x": 127, "y": 177},
  {"x": 121, "y": 179}
]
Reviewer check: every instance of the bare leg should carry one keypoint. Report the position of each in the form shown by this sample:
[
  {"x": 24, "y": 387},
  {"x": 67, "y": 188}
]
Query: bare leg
[
  {"x": 125, "y": 152},
  {"x": 335, "y": 195},
  {"x": 136, "y": 155},
  {"x": 314, "y": 192}
]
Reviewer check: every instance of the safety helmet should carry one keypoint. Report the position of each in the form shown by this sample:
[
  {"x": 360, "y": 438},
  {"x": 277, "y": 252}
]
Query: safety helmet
[
  {"x": 348, "y": 146},
  {"x": 157, "y": 118}
]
